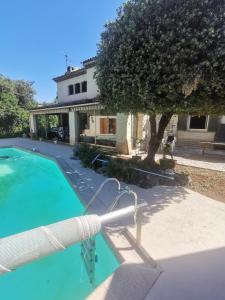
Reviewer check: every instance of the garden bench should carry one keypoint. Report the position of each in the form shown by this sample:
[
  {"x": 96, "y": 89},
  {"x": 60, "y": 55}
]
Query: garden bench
[{"x": 205, "y": 145}]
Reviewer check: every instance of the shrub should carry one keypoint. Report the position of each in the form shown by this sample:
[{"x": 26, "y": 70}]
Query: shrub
[
  {"x": 86, "y": 154},
  {"x": 121, "y": 169}
]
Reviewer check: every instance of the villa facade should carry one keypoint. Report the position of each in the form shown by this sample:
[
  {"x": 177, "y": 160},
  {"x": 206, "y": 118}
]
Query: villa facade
[
  {"x": 81, "y": 114},
  {"x": 79, "y": 110}
]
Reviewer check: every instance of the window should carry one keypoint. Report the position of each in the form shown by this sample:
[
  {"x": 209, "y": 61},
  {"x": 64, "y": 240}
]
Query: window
[
  {"x": 84, "y": 86},
  {"x": 77, "y": 88},
  {"x": 112, "y": 126},
  {"x": 70, "y": 89},
  {"x": 84, "y": 122},
  {"x": 198, "y": 122},
  {"x": 107, "y": 126}
]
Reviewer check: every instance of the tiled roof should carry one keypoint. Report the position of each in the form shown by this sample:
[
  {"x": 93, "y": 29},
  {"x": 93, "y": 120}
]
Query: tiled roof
[
  {"x": 70, "y": 75},
  {"x": 88, "y": 63},
  {"x": 91, "y": 59}
]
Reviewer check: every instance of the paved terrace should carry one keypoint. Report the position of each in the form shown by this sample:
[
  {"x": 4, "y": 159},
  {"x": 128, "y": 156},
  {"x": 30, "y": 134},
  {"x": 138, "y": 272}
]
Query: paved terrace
[
  {"x": 183, "y": 238},
  {"x": 192, "y": 156}
]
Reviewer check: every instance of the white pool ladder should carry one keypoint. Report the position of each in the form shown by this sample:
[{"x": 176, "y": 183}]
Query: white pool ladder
[
  {"x": 88, "y": 247},
  {"x": 88, "y": 253},
  {"x": 99, "y": 190}
]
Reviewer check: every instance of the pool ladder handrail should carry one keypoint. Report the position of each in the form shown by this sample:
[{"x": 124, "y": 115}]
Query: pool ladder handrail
[
  {"x": 99, "y": 190},
  {"x": 123, "y": 193},
  {"x": 88, "y": 252},
  {"x": 115, "y": 202}
]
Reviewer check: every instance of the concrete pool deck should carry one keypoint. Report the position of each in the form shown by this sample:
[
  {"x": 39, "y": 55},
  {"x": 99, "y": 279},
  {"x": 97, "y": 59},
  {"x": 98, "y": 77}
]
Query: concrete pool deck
[
  {"x": 192, "y": 157},
  {"x": 183, "y": 234}
]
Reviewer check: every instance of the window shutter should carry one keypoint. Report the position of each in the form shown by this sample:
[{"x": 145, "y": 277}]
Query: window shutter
[{"x": 104, "y": 125}]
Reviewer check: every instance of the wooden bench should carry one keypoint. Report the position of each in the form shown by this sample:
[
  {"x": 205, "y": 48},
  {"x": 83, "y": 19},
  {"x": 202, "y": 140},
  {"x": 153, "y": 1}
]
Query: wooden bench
[{"x": 205, "y": 145}]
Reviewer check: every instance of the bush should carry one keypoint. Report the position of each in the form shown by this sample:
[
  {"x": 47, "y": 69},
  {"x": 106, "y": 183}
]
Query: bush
[
  {"x": 86, "y": 154},
  {"x": 124, "y": 170},
  {"x": 121, "y": 169}
]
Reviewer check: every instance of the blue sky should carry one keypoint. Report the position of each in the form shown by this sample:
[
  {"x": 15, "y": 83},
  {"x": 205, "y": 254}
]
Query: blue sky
[{"x": 35, "y": 35}]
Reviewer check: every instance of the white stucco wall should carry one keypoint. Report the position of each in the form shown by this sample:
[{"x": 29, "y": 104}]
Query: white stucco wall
[
  {"x": 171, "y": 128},
  {"x": 62, "y": 87},
  {"x": 124, "y": 133},
  {"x": 74, "y": 127},
  {"x": 92, "y": 88},
  {"x": 223, "y": 120},
  {"x": 33, "y": 123},
  {"x": 195, "y": 136}
]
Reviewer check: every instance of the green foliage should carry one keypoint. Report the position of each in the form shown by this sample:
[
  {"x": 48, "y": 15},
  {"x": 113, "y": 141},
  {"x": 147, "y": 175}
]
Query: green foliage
[
  {"x": 44, "y": 123},
  {"x": 121, "y": 169},
  {"x": 21, "y": 89},
  {"x": 41, "y": 125},
  {"x": 86, "y": 154},
  {"x": 164, "y": 56},
  {"x": 14, "y": 120},
  {"x": 16, "y": 97}
]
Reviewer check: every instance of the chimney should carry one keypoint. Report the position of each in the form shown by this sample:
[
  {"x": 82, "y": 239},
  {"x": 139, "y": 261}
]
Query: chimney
[{"x": 71, "y": 69}]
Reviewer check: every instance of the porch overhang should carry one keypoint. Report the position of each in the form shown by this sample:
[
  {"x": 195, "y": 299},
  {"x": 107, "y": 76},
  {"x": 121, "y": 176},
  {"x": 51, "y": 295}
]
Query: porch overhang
[
  {"x": 83, "y": 105},
  {"x": 48, "y": 111}
]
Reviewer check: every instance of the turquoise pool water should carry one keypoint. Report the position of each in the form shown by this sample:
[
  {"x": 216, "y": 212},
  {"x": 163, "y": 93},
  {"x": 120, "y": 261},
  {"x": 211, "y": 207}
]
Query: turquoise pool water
[{"x": 34, "y": 192}]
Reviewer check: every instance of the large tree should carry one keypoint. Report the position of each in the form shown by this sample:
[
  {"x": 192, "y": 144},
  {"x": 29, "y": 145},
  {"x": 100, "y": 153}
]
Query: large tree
[
  {"x": 16, "y": 97},
  {"x": 13, "y": 118},
  {"x": 164, "y": 57},
  {"x": 23, "y": 91}
]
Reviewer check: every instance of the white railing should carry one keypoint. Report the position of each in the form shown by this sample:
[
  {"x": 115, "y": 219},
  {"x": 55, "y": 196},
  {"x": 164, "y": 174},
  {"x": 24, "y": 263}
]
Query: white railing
[{"x": 100, "y": 189}]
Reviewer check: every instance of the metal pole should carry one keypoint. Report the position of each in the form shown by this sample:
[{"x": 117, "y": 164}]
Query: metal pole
[
  {"x": 95, "y": 125},
  {"x": 139, "y": 226},
  {"x": 46, "y": 126},
  {"x": 27, "y": 246},
  {"x": 117, "y": 214}
]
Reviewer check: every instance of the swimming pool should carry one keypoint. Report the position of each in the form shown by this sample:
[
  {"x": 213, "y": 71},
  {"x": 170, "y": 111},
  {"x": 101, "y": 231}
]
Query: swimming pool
[{"x": 34, "y": 192}]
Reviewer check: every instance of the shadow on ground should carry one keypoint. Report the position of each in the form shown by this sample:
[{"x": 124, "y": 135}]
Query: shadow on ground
[{"x": 193, "y": 276}]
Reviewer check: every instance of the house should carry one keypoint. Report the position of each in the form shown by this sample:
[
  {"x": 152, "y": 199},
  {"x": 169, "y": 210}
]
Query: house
[
  {"x": 79, "y": 110},
  {"x": 80, "y": 113}
]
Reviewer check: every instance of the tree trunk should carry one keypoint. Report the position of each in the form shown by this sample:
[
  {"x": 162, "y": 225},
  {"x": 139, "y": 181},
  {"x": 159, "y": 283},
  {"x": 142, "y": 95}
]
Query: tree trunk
[{"x": 156, "y": 136}]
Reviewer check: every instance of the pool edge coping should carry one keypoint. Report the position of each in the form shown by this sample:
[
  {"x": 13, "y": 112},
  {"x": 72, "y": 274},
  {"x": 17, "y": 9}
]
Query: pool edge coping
[
  {"x": 139, "y": 251},
  {"x": 105, "y": 234}
]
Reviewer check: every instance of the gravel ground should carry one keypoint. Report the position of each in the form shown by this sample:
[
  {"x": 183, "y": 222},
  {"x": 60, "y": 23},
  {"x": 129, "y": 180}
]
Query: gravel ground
[{"x": 207, "y": 182}]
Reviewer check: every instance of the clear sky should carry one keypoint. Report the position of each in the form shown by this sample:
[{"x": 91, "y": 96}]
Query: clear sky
[{"x": 35, "y": 35}]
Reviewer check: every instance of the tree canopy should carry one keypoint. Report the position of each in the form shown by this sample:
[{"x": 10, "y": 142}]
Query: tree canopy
[
  {"x": 16, "y": 97},
  {"x": 164, "y": 56},
  {"x": 21, "y": 89}
]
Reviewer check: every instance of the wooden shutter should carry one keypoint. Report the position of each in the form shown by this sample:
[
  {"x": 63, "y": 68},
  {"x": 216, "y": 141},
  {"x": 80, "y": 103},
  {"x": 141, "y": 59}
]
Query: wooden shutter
[{"x": 104, "y": 126}]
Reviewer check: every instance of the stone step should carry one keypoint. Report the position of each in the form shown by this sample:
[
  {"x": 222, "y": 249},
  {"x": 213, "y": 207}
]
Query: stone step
[{"x": 133, "y": 279}]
